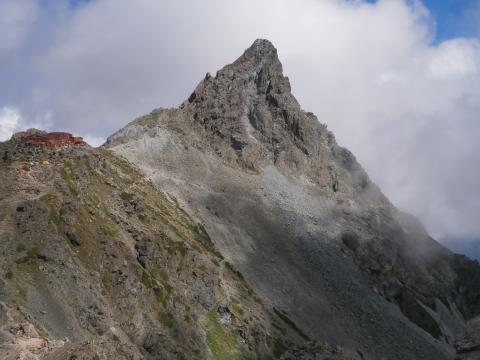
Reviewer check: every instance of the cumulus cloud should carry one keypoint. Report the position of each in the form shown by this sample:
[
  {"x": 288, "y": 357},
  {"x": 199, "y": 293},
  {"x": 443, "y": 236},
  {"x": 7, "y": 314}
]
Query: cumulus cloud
[
  {"x": 94, "y": 141},
  {"x": 9, "y": 121},
  {"x": 406, "y": 105}
]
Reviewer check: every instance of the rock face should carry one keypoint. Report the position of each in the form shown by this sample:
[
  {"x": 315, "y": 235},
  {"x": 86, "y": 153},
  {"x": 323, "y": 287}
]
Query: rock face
[
  {"x": 299, "y": 217},
  {"x": 233, "y": 227},
  {"x": 468, "y": 341},
  {"x": 97, "y": 263}
]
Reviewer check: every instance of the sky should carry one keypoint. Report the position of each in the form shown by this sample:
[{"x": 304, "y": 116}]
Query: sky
[{"x": 397, "y": 81}]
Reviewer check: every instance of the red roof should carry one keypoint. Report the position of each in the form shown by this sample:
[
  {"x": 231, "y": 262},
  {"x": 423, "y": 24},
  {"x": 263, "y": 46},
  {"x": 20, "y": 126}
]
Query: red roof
[{"x": 52, "y": 140}]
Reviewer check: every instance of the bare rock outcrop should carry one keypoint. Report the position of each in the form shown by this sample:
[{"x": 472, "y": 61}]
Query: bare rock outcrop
[
  {"x": 232, "y": 227},
  {"x": 468, "y": 341},
  {"x": 298, "y": 215}
]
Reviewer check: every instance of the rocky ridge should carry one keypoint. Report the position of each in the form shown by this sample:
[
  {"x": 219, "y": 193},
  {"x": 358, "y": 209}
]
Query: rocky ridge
[
  {"x": 232, "y": 227},
  {"x": 97, "y": 263},
  {"x": 298, "y": 215}
]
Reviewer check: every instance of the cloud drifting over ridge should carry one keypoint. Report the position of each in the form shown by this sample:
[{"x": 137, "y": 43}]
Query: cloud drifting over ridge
[
  {"x": 406, "y": 107},
  {"x": 9, "y": 121}
]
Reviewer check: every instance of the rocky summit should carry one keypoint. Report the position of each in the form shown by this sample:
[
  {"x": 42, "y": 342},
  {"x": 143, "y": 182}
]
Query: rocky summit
[{"x": 232, "y": 227}]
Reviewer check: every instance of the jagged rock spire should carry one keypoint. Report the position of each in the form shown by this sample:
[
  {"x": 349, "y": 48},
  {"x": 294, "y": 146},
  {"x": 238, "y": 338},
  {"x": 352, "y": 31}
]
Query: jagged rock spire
[{"x": 262, "y": 52}]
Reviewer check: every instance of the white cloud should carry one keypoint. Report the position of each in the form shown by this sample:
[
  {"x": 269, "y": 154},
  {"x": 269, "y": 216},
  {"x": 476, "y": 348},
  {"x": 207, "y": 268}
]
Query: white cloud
[
  {"x": 455, "y": 58},
  {"x": 9, "y": 121},
  {"x": 408, "y": 108},
  {"x": 16, "y": 19},
  {"x": 94, "y": 141}
]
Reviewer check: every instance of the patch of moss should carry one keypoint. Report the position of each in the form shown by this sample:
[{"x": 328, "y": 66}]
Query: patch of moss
[
  {"x": 22, "y": 293},
  {"x": 163, "y": 274},
  {"x": 106, "y": 283},
  {"x": 21, "y": 247},
  {"x": 144, "y": 218},
  {"x": 205, "y": 240},
  {"x": 222, "y": 344},
  {"x": 279, "y": 347},
  {"x": 109, "y": 229},
  {"x": 257, "y": 299},
  {"x": 7, "y": 155},
  {"x": 68, "y": 176},
  {"x": 179, "y": 208},
  {"x": 126, "y": 167},
  {"x": 165, "y": 318},
  {"x": 234, "y": 271},
  {"x": 147, "y": 279},
  {"x": 52, "y": 203},
  {"x": 29, "y": 257},
  {"x": 290, "y": 323},
  {"x": 161, "y": 296},
  {"x": 127, "y": 196},
  {"x": 237, "y": 309},
  {"x": 67, "y": 173},
  {"x": 177, "y": 248}
]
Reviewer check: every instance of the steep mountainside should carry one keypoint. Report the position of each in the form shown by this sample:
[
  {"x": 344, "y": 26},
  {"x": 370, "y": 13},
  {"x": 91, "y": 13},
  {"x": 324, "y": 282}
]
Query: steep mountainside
[
  {"x": 299, "y": 217},
  {"x": 97, "y": 263}
]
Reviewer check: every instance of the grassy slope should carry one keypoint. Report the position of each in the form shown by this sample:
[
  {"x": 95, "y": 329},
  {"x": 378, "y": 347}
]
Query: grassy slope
[{"x": 103, "y": 249}]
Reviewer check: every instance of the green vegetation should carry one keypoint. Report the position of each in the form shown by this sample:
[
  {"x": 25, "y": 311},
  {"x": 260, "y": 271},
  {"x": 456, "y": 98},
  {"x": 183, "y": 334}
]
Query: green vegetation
[
  {"x": 125, "y": 166},
  {"x": 147, "y": 279},
  {"x": 127, "y": 196},
  {"x": 205, "y": 240},
  {"x": 291, "y": 324},
  {"x": 237, "y": 309},
  {"x": 234, "y": 271},
  {"x": 165, "y": 318},
  {"x": 222, "y": 344},
  {"x": 21, "y": 247},
  {"x": 178, "y": 207},
  {"x": 144, "y": 218},
  {"x": 106, "y": 283},
  {"x": 177, "y": 247},
  {"x": 108, "y": 228},
  {"x": 163, "y": 275},
  {"x": 52, "y": 203},
  {"x": 30, "y": 256},
  {"x": 279, "y": 347},
  {"x": 6, "y": 157},
  {"x": 68, "y": 176},
  {"x": 22, "y": 293}
]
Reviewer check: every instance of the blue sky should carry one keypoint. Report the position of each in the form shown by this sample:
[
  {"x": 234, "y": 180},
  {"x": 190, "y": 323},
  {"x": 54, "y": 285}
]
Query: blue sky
[
  {"x": 454, "y": 17},
  {"x": 75, "y": 3}
]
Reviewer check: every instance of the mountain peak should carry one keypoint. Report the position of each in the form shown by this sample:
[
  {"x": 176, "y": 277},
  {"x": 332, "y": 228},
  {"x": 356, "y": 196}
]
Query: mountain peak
[
  {"x": 262, "y": 48},
  {"x": 284, "y": 201},
  {"x": 260, "y": 55},
  {"x": 258, "y": 67}
]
